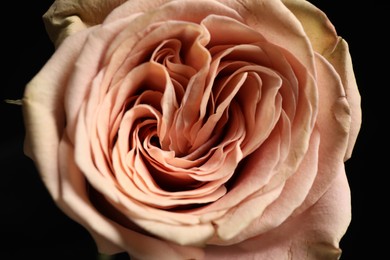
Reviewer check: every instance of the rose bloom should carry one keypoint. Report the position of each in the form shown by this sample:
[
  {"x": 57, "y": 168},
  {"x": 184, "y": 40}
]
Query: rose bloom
[{"x": 197, "y": 129}]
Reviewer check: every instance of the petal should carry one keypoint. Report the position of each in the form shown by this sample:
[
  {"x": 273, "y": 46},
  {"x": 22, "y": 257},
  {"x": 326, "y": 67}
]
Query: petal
[
  {"x": 295, "y": 191},
  {"x": 324, "y": 38},
  {"x": 109, "y": 236},
  {"x": 335, "y": 127},
  {"x": 314, "y": 234},
  {"x": 65, "y": 17},
  {"x": 316, "y": 24},
  {"x": 87, "y": 68},
  {"x": 44, "y": 117},
  {"x": 341, "y": 60},
  {"x": 278, "y": 25},
  {"x": 333, "y": 124}
]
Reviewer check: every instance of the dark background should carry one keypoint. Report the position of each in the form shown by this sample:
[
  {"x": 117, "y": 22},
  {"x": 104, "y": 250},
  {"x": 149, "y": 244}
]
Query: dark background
[{"x": 32, "y": 226}]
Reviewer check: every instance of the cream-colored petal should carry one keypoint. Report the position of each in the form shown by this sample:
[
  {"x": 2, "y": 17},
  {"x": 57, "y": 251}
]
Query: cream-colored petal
[
  {"x": 65, "y": 17},
  {"x": 316, "y": 24}
]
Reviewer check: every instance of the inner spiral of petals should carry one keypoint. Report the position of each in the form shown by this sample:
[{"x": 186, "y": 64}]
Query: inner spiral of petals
[{"x": 180, "y": 128}]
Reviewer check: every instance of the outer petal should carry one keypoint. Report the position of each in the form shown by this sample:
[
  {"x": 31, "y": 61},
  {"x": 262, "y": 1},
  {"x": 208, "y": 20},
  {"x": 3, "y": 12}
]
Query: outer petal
[
  {"x": 341, "y": 60},
  {"x": 312, "y": 235},
  {"x": 277, "y": 24},
  {"x": 333, "y": 122},
  {"x": 316, "y": 24},
  {"x": 43, "y": 113},
  {"x": 326, "y": 42},
  {"x": 65, "y": 17}
]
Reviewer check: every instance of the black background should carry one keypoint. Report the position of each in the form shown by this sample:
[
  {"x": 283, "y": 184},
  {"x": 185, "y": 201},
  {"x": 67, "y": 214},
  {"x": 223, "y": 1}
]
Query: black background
[{"x": 32, "y": 227}]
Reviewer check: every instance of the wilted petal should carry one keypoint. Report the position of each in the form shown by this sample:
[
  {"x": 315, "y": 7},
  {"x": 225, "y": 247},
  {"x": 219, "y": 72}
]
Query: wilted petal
[
  {"x": 66, "y": 17},
  {"x": 316, "y": 24}
]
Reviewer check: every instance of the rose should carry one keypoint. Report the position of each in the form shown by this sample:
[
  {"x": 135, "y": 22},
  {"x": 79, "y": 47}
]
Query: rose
[
  {"x": 192, "y": 129},
  {"x": 197, "y": 129}
]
